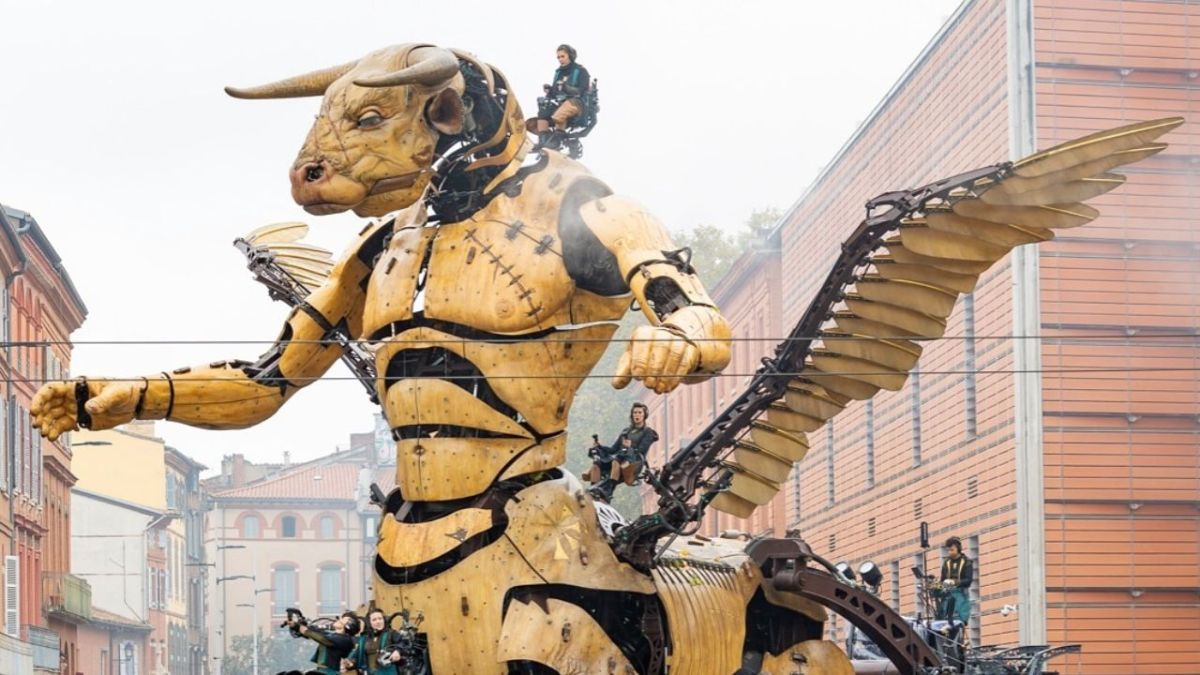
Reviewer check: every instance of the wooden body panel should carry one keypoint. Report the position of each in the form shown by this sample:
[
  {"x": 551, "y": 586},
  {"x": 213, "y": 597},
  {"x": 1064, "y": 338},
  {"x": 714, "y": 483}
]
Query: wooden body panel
[
  {"x": 560, "y": 635},
  {"x": 437, "y": 469},
  {"x": 408, "y": 544},
  {"x": 811, "y": 657}
]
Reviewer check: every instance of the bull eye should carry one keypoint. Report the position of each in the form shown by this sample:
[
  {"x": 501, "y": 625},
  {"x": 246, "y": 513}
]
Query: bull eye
[{"x": 370, "y": 119}]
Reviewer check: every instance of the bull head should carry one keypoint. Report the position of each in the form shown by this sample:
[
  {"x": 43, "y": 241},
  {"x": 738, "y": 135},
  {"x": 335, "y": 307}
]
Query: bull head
[{"x": 371, "y": 148}]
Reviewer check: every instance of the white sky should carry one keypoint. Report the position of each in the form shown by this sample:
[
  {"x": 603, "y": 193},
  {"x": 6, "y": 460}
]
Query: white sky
[{"x": 116, "y": 136}]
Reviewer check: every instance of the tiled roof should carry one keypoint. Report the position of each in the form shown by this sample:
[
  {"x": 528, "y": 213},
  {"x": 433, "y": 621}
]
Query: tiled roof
[
  {"x": 336, "y": 481},
  {"x": 103, "y": 616}
]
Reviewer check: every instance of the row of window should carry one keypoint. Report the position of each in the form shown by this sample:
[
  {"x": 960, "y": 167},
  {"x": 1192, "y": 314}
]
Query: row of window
[
  {"x": 27, "y": 467},
  {"x": 285, "y": 588},
  {"x": 288, "y": 527},
  {"x": 30, "y": 361}
]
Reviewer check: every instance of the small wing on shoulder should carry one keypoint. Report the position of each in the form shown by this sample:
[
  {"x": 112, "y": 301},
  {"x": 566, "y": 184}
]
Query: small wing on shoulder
[
  {"x": 307, "y": 264},
  {"x": 905, "y": 284}
]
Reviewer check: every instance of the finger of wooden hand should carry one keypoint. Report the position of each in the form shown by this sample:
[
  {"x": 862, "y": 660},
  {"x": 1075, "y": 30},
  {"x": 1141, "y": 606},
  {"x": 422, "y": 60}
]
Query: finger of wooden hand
[
  {"x": 624, "y": 371},
  {"x": 671, "y": 369},
  {"x": 64, "y": 424},
  {"x": 640, "y": 345},
  {"x": 49, "y": 395},
  {"x": 660, "y": 349}
]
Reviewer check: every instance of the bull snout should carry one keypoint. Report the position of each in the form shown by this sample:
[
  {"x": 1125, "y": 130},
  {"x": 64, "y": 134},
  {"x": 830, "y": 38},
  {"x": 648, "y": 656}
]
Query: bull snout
[
  {"x": 310, "y": 175},
  {"x": 321, "y": 190}
]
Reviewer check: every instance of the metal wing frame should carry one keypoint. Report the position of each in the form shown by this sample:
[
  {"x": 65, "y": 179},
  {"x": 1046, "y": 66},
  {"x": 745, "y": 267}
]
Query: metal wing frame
[{"x": 684, "y": 473}]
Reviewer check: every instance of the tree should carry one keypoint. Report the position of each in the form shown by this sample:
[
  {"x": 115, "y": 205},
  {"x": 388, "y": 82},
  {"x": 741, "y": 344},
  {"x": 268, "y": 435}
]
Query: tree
[
  {"x": 714, "y": 249},
  {"x": 277, "y": 651}
]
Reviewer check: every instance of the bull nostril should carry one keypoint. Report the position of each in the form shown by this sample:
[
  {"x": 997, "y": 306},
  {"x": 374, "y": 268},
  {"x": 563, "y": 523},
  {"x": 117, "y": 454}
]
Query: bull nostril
[{"x": 313, "y": 173}]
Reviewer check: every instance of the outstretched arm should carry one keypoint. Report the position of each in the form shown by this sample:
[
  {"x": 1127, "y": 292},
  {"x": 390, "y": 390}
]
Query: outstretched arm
[
  {"x": 224, "y": 394},
  {"x": 688, "y": 337}
]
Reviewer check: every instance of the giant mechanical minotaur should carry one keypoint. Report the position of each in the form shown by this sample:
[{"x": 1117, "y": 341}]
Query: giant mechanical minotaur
[{"x": 487, "y": 290}]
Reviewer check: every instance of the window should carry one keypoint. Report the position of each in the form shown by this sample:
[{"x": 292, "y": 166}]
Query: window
[
  {"x": 919, "y": 563},
  {"x": 287, "y": 527},
  {"x": 170, "y": 492},
  {"x": 829, "y": 493},
  {"x": 251, "y": 527},
  {"x": 19, "y": 452},
  {"x": 976, "y": 599},
  {"x": 4, "y": 445},
  {"x": 796, "y": 490},
  {"x": 916, "y": 417},
  {"x": 152, "y": 588},
  {"x": 330, "y": 586},
  {"x": 327, "y": 527},
  {"x": 870, "y": 443},
  {"x": 170, "y": 588},
  {"x": 36, "y": 450},
  {"x": 895, "y": 579},
  {"x": 283, "y": 589},
  {"x": 370, "y": 528},
  {"x": 12, "y": 595},
  {"x": 969, "y": 360}
]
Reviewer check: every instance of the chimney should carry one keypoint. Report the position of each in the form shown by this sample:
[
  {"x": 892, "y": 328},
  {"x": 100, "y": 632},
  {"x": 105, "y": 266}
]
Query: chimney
[
  {"x": 287, "y": 459},
  {"x": 237, "y": 476}
]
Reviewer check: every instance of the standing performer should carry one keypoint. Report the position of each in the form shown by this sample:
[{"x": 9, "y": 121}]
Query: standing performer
[
  {"x": 957, "y": 572},
  {"x": 373, "y": 652},
  {"x": 332, "y": 645}
]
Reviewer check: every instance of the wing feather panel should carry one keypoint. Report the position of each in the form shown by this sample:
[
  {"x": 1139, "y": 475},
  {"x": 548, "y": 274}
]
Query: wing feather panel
[{"x": 307, "y": 264}]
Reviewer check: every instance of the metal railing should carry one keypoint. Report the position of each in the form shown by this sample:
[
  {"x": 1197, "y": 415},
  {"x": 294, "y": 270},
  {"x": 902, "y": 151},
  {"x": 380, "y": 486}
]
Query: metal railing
[
  {"x": 68, "y": 595},
  {"x": 44, "y": 643}
]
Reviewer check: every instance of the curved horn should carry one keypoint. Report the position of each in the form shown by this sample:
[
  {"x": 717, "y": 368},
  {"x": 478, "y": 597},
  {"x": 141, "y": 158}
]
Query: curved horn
[
  {"x": 483, "y": 69},
  {"x": 308, "y": 84},
  {"x": 432, "y": 66}
]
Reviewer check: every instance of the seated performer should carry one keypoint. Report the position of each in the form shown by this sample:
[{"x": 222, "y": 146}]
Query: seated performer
[
  {"x": 628, "y": 451},
  {"x": 957, "y": 573},
  {"x": 332, "y": 645},
  {"x": 563, "y": 95}
]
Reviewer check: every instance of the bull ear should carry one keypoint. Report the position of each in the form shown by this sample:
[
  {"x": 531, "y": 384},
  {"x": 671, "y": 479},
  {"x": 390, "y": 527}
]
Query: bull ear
[{"x": 445, "y": 112}]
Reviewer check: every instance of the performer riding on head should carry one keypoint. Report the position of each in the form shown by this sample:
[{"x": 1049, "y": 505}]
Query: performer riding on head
[
  {"x": 957, "y": 573},
  {"x": 570, "y": 82}
]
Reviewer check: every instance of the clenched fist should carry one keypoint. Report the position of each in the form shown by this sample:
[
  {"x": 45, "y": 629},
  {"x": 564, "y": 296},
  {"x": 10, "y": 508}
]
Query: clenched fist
[
  {"x": 658, "y": 356},
  {"x": 109, "y": 403}
]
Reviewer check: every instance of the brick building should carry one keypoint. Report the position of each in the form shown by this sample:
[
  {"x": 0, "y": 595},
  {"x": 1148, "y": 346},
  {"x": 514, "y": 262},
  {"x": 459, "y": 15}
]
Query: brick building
[
  {"x": 1055, "y": 428},
  {"x": 40, "y": 310}
]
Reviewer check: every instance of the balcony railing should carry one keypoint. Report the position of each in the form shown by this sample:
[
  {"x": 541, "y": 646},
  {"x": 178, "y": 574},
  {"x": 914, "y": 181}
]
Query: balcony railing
[
  {"x": 67, "y": 595},
  {"x": 44, "y": 643}
]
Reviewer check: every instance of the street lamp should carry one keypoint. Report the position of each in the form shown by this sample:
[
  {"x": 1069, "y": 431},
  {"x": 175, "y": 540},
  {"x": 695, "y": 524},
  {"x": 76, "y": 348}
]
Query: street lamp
[
  {"x": 235, "y": 577},
  {"x": 254, "y": 606}
]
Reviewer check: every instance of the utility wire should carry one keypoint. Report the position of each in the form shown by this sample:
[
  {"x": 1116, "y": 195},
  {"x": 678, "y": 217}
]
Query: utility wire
[
  {"x": 816, "y": 376},
  {"x": 831, "y": 337}
]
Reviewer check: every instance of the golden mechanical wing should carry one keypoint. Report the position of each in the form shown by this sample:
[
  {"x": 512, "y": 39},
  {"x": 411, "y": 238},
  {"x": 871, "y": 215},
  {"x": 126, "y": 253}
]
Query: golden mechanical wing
[
  {"x": 307, "y": 264},
  {"x": 905, "y": 283}
]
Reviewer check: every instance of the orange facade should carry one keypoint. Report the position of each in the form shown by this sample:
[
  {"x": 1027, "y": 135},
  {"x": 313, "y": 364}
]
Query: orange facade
[
  {"x": 1097, "y": 542},
  {"x": 1122, "y": 449},
  {"x": 41, "y": 309}
]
